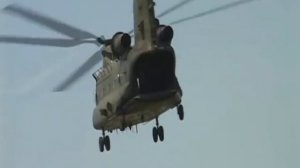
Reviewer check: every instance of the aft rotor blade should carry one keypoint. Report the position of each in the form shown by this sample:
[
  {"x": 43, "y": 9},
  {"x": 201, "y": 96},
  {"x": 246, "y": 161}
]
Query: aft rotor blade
[
  {"x": 215, "y": 10},
  {"x": 173, "y": 8},
  {"x": 55, "y": 42},
  {"x": 48, "y": 22},
  {"x": 84, "y": 68}
]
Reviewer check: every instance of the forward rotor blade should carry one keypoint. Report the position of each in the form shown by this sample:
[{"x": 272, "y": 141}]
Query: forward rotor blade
[
  {"x": 46, "y": 21},
  {"x": 215, "y": 10},
  {"x": 173, "y": 8},
  {"x": 84, "y": 68},
  {"x": 44, "y": 41}
]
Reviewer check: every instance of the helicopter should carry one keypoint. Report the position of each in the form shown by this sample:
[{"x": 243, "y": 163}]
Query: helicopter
[{"x": 137, "y": 81}]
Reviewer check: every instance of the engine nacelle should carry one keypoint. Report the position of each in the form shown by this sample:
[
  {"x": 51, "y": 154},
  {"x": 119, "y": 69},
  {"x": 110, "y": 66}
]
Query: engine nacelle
[
  {"x": 120, "y": 43},
  {"x": 164, "y": 34}
]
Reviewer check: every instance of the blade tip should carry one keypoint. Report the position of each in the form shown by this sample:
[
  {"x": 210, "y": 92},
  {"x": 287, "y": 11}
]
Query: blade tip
[
  {"x": 10, "y": 7},
  {"x": 57, "y": 89}
]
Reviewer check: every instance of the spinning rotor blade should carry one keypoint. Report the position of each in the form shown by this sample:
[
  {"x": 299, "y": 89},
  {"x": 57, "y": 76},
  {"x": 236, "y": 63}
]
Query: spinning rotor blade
[
  {"x": 173, "y": 8},
  {"x": 84, "y": 68},
  {"x": 53, "y": 24},
  {"x": 212, "y": 11},
  {"x": 44, "y": 41}
]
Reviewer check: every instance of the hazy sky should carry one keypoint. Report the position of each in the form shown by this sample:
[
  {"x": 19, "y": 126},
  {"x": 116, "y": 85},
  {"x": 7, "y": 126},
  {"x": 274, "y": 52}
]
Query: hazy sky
[{"x": 239, "y": 70}]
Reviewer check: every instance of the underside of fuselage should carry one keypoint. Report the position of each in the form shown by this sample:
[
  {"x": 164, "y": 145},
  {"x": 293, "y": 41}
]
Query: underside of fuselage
[{"x": 143, "y": 108}]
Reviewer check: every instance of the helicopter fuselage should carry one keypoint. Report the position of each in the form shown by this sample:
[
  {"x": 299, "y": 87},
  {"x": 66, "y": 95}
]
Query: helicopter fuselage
[
  {"x": 137, "y": 84},
  {"x": 136, "y": 88}
]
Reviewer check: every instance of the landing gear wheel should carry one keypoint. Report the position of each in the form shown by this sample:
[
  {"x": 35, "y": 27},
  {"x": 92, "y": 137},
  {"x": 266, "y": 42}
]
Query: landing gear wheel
[
  {"x": 160, "y": 132},
  {"x": 180, "y": 112},
  {"x": 101, "y": 144},
  {"x": 106, "y": 142},
  {"x": 155, "y": 134}
]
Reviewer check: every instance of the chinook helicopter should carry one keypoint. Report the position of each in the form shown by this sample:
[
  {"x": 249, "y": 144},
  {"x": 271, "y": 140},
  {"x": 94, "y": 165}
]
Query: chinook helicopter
[{"x": 137, "y": 82}]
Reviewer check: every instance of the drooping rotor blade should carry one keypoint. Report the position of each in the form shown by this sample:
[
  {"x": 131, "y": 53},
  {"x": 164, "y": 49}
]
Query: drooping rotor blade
[
  {"x": 84, "y": 68},
  {"x": 173, "y": 8},
  {"x": 48, "y": 22},
  {"x": 55, "y": 42},
  {"x": 215, "y": 10},
  {"x": 169, "y": 10}
]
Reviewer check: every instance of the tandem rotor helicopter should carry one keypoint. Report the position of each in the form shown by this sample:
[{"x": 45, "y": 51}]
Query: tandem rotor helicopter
[{"x": 137, "y": 82}]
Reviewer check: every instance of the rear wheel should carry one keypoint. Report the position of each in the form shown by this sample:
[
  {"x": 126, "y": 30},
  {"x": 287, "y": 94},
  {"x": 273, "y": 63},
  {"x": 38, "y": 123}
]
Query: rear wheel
[
  {"x": 180, "y": 112},
  {"x": 101, "y": 144},
  {"x": 155, "y": 134},
  {"x": 160, "y": 132},
  {"x": 107, "y": 143}
]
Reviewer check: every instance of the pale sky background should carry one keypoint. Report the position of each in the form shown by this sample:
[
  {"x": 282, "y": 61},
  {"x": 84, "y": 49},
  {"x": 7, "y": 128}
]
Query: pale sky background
[{"x": 239, "y": 70}]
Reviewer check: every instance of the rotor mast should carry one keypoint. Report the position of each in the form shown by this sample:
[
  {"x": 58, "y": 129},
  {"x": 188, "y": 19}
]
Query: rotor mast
[{"x": 144, "y": 23}]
